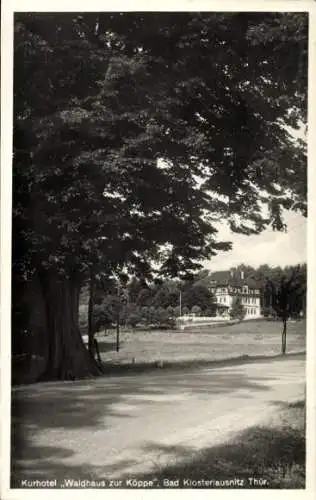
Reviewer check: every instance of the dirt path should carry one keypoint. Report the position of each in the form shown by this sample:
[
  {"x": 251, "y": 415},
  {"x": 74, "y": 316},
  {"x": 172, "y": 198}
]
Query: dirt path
[{"x": 110, "y": 428}]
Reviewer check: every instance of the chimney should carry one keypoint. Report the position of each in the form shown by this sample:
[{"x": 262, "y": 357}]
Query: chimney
[{"x": 242, "y": 274}]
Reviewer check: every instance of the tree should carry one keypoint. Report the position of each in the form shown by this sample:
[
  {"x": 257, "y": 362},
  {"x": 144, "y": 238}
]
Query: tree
[
  {"x": 196, "y": 310},
  {"x": 144, "y": 312},
  {"x": 185, "y": 311},
  {"x": 199, "y": 295},
  {"x": 138, "y": 131},
  {"x": 162, "y": 316},
  {"x": 177, "y": 311},
  {"x": 287, "y": 294},
  {"x": 170, "y": 310},
  {"x": 152, "y": 315},
  {"x": 144, "y": 298},
  {"x": 237, "y": 310},
  {"x": 134, "y": 288},
  {"x": 166, "y": 294}
]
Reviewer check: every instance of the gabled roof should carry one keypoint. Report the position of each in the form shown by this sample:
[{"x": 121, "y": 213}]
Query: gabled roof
[
  {"x": 221, "y": 277},
  {"x": 227, "y": 278}
]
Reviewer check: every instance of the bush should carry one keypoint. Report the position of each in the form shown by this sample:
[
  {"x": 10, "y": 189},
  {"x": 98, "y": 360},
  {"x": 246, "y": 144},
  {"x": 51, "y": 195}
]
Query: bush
[
  {"x": 237, "y": 310},
  {"x": 176, "y": 311},
  {"x": 268, "y": 312},
  {"x": 164, "y": 319},
  {"x": 210, "y": 311},
  {"x": 185, "y": 311},
  {"x": 170, "y": 310},
  {"x": 196, "y": 310},
  {"x": 101, "y": 318},
  {"x": 133, "y": 319}
]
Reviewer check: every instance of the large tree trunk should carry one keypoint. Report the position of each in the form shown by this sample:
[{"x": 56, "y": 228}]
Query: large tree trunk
[
  {"x": 67, "y": 357},
  {"x": 90, "y": 317},
  {"x": 284, "y": 336}
]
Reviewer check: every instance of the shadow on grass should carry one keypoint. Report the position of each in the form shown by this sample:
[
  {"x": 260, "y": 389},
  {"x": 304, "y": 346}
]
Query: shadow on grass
[
  {"x": 272, "y": 457},
  {"x": 107, "y": 346},
  {"x": 28, "y": 372},
  {"x": 276, "y": 455},
  {"x": 118, "y": 369}
]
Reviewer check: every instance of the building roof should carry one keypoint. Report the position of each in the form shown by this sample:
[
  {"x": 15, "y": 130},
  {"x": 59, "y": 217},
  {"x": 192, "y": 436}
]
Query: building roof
[{"x": 234, "y": 279}]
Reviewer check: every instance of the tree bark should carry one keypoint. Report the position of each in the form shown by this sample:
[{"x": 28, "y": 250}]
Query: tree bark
[
  {"x": 118, "y": 332},
  {"x": 90, "y": 317},
  {"x": 284, "y": 336},
  {"x": 67, "y": 357}
]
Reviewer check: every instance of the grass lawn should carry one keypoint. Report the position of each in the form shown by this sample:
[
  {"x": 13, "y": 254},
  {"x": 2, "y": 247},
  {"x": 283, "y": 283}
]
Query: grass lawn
[
  {"x": 200, "y": 344},
  {"x": 267, "y": 456},
  {"x": 252, "y": 338}
]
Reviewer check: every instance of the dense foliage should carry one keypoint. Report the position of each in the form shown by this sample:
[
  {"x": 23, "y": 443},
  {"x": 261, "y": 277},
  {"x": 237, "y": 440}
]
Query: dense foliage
[
  {"x": 159, "y": 304},
  {"x": 133, "y": 133}
]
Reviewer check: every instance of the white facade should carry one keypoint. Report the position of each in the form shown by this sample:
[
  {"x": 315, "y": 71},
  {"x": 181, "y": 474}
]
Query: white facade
[{"x": 250, "y": 298}]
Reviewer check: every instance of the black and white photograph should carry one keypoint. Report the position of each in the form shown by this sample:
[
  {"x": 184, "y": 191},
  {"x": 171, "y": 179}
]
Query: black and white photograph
[{"x": 159, "y": 306}]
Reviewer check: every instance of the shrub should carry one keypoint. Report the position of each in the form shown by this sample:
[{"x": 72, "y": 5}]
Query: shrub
[
  {"x": 170, "y": 310},
  {"x": 133, "y": 319},
  {"x": 101, "y": 317},
  {"x": 237, "y": 310},
  {"x": 268, "y": 312},
  {"x": 196, "y": 310}
]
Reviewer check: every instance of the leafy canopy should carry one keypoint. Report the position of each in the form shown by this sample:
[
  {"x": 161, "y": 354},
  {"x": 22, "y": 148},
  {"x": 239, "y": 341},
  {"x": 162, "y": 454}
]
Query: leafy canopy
[{"x": 135, "y": 131}]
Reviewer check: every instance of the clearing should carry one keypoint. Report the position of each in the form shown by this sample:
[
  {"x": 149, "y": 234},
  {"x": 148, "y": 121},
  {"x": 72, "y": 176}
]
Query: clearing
[{"x": 208, "y": 343}]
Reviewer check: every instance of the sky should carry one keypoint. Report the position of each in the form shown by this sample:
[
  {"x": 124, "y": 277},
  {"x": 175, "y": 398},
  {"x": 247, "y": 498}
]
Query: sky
[{"x": 270, "y": 247}]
